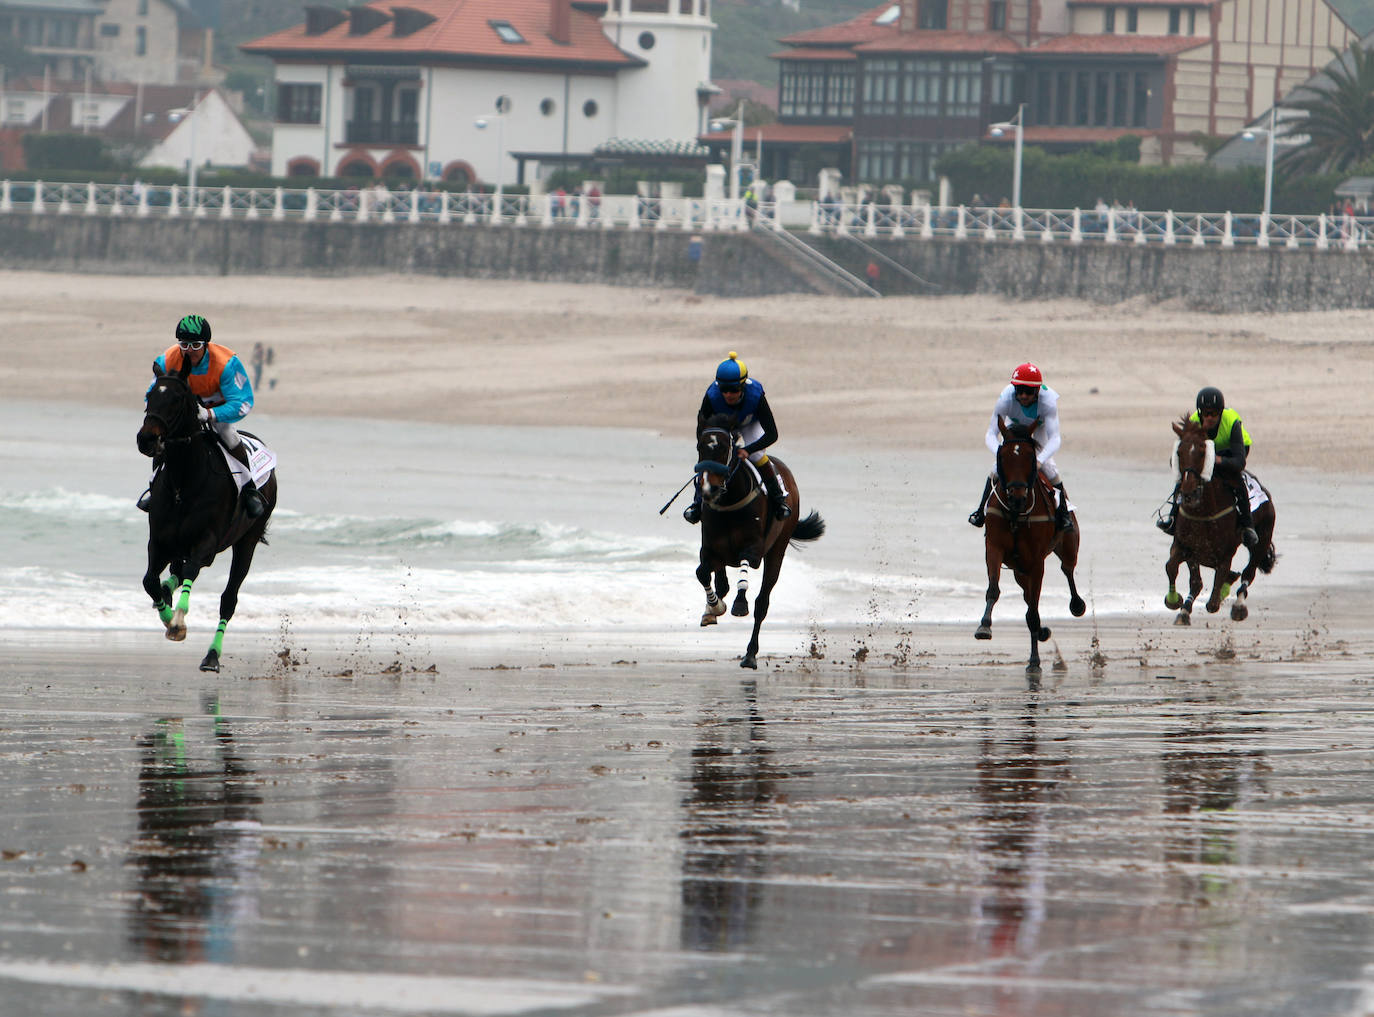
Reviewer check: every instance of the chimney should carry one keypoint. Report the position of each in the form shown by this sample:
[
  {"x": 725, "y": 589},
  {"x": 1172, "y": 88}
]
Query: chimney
[
  {"x": 906, "y": 20},
  {"x": 560, "y": 21}
]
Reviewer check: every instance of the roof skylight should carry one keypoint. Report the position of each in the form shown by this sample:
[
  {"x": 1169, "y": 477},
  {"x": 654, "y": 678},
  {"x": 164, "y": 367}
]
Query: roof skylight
[
  {"x": 889, "y": 16},
  {"x": 507, "y": 31}
]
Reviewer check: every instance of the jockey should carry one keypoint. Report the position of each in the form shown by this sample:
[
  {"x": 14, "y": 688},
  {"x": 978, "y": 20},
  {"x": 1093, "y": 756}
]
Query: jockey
[
  {"x": 219, "y": 380},
  {"x": 1231, "y": 442},
  {"x": 735, "y": 393},
  {"x": 1026, "y": 400}
]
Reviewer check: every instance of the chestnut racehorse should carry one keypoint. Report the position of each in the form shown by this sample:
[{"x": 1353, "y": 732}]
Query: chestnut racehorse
[
  {"x": 1206, "y": 530},
  {"x": 1019, "y": 533}
]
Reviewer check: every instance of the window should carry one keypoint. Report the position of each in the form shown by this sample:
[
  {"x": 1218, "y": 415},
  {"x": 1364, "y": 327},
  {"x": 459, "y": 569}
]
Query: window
[
  {"x": 1132, "y": 19},
  {"x": 881, "y": 78},
  {"x": 143, "y": 7},
  {"x": 817, "y": 89},
  {"x": 1175, "y": 20},
  {"x": 1192, "y": 21},
  {"x": 1063, "y": 92},
  {"x": 1120, "y": 95},
  {"x": 506, "y": 31},
  {"x": 963, "y": 88},
  {"x": 932, "y": 14},
  {"x": 906, "y": 161},
  {"x": 1141, "y": 106},
  {"x": 362, "y": 104},
  {"x": 646, "y": 40},
  {"x": 408, "y": 105},
  {"x": 547, "y": 107},
  {"x": 1109, "y": 20},
  {"x": 1082, "y": 84},
  {"x": 298, "y": 103},
  {"x": 589, "y": 108},
  {"x": 109, "y": 30},
  {"x": 1101, "y": 97},
  {"x": 140, "y": 41},
  {"x": 997, "y": 15}
]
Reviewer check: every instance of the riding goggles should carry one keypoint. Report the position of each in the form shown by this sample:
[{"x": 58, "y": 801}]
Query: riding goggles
[
  {"x": 730, "y": 387},
  {"x": 186, "y": 344}
]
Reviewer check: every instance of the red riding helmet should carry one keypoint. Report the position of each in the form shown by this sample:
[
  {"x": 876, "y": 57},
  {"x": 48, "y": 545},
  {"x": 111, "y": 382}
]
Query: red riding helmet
[{"x": 1027, "y": 374}]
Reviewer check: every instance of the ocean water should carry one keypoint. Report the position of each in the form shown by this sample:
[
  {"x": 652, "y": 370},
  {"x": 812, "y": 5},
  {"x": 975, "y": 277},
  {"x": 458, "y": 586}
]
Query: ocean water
[{"x": 392, "y": 527}]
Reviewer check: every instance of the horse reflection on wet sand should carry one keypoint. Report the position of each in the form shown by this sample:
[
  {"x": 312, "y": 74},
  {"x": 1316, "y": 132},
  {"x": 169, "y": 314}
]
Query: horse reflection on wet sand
[{"x": 737, "y": 527}]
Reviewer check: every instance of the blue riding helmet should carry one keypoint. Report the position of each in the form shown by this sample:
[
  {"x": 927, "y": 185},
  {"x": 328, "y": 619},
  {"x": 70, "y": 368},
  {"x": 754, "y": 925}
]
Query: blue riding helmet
[{"x": 731, "y": 372}]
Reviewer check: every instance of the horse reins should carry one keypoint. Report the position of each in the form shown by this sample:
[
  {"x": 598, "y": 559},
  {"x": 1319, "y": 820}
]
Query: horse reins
[{"x": 730, "y": 470}]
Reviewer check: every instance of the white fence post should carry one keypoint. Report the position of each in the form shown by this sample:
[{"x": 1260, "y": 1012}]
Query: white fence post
[
  {"x": 1169, "y": 239},
  {"x": 444, "y": 215},
  {"x": 1292, "y": 242},
  {"x": 1198, "y": 239},
  {"x": 226, "y": 207},
  {"x": 1228, "y": 236},
  {"x": 143, "y": 202},
  {"x": 1322, "y": 242},
  {"x": 1018, "y": 231},
  {"x": 174, "y": 201},
  {"x": 6, "y": 199},
  {"x": 278, "y": 204},
  {"x": 1076, "y": 236},
  {"x": 961, "y": 225},
  {"x": 1111, "y": 236},
  {"x": 927, "y": 225},
  {"x": 1262, "y": 240},
  {"x": 312, "y": 204},
  {"x": 91, "y": 207},
  {"x": 64, "y": 204}
]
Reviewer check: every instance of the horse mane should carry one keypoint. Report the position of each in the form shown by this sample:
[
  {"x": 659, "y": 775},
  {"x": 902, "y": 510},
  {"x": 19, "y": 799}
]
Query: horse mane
[
  {"x": 1018, "y": 432},
  {"x": 726, "y": 421}
]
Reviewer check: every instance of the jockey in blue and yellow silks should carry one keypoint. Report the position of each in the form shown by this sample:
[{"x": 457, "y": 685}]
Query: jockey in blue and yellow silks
[
  {"x": 218, "y": 379},
  {"x": 735, "y": 393},
  {"x": 1231, "y": 441}
]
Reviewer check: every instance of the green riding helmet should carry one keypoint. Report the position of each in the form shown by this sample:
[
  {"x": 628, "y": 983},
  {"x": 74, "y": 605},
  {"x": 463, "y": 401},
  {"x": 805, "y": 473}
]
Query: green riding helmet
[{"x": 193, "y": 328}]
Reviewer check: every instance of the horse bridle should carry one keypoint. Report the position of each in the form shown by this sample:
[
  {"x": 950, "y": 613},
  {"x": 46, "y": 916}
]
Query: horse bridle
[
  {"x": 1007, "y": 486},
  {"x": 728, "y": 468}
]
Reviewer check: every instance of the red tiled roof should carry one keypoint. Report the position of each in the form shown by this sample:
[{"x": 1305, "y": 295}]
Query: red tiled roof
[
  {"x": 1048, "y": 135},
  {"x": 846, "y": 33},
  {"x": 460, "y": 29},
  {"x": 943, "y": 42},
  {"x": 1119, "y": 45},
  {"x": 1147, "y": 3},
  {"x": 797, "y": 134},
  {"x": 814, "y": 54}
]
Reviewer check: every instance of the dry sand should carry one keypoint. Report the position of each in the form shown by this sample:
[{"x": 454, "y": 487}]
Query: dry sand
[{"x": 909, "y": 372}]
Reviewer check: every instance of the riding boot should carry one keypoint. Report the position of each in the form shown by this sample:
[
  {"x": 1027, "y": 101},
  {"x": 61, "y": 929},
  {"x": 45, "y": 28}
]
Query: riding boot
[
  {"x": 977, "y": 517},
  {"x": 1062, "y": 520},
  {"x": 1167, "y": 523},
  {"x": 776, "y": 499},
  {"x": 253, "y": 502},
  {"x": 1248, "y": 536},
  {"x": 692, "y": 513},
  {"x": 146, "y": 498}
]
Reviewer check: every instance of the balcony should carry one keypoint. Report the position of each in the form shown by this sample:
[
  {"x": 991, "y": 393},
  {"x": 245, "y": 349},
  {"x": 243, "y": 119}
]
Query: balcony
[{"x": 379, "y": 132}]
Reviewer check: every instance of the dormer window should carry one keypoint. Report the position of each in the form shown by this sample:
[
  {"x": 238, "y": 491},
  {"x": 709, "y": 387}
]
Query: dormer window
[{"x": 506, "y": 31}]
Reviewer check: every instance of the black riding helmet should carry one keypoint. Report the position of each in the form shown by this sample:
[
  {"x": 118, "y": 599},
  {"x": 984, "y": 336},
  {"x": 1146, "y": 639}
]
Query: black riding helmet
[
  {"x": 193, "y": 328},
  {"x": 1210, "y": 398}
]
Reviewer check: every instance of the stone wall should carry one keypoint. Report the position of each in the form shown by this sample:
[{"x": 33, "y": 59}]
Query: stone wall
[{"x": 730, "y": 264}]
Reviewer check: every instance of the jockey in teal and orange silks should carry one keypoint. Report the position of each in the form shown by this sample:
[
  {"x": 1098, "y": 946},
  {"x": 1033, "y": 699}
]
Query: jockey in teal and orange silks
[
  {"x": 738, "y": 395},
  {"x": 219, "y": 380},
  {"x": 1025, "y": 401}
]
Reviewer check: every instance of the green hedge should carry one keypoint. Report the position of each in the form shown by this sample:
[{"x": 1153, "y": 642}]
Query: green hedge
[{"x": 1080, "y": 179}]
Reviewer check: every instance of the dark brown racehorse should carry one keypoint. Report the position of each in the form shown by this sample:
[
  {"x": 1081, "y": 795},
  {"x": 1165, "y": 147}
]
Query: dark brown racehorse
[
  {"x": 1206, "y": 534},
  {"x": 737, "y": 527},
  {"x": 1019, "y": 533},
  {"x": 195, "y": 511}
]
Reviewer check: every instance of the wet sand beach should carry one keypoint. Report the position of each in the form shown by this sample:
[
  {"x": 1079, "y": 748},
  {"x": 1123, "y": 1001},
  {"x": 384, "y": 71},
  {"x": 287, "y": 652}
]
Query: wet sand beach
[{"x": 586, "y": 806}]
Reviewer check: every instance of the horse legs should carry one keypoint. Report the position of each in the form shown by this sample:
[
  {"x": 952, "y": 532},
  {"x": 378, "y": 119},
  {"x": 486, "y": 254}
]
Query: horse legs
[
  {"x": 1221, "y": 584},
  {"x": 1030, "y": 587},
  {"x": 239, "y": 565},
  {"x": 993, "y": 556},
  {"x": 157, "y": 588},
  {"x": 772, "y": 566},
  {"x": 1067, "y": 550},
  {"x": 740, "y": 608},
  {"x": 715, "y": 606},
  {"x": 1185, "y": 612}
]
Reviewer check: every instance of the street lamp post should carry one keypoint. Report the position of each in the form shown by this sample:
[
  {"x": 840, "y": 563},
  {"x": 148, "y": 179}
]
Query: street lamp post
[
  {"x": 997, "y": 130},
  {"x": 1268, "y": 132},
  {"x": 481, "y": 124},
  {"x": 736, "y": 146}
]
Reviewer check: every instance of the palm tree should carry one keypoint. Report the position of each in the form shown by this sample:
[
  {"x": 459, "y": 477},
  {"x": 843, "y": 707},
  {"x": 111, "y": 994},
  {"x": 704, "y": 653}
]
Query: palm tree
[{"x": 1340, "y": 116}]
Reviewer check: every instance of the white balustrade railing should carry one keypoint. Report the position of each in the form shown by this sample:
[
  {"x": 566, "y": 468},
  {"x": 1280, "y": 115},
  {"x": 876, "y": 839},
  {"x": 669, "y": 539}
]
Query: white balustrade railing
[{"x": 635, "y": 212}]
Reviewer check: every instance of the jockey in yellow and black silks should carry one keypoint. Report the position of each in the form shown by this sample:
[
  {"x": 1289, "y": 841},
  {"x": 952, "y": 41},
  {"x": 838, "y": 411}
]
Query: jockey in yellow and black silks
[
  {"x": 1231, "y": 441},
  {"x": 735, "y": 393},
  {"x": 219, "y": 380}
]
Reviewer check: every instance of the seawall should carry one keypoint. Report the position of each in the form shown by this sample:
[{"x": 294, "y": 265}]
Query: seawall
[{"x": 730, "y": 263}]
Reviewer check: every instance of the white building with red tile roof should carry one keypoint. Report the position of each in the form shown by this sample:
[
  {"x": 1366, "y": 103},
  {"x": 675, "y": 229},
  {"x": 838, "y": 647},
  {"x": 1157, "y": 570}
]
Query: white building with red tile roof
[
  {"x": 399, "y": 88},
  {"x": 906, "y": 81}
]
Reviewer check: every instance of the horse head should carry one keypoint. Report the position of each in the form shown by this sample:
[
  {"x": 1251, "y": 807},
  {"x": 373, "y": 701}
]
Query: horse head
[
  {"x": 717, "y": 461},
  {"x": 1016, "y": 466},
  {"x": 171, "y": 412},
  {"x": 1194, "y": 458}
]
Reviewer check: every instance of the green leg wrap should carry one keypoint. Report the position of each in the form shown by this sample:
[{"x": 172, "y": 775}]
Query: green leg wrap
[
  {"x": 1172, "y": 599},
  {"x": 185, "y": 604},
  {"x": 1225, "y": 590},
  {"x": 164, "y": 611},
  {"x": 218, "y": 644}
]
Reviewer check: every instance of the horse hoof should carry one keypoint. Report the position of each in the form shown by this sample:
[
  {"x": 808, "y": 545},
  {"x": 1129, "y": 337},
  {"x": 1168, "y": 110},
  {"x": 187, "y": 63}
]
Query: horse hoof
[
  {"x": 1213, "y": 608},
  {"x": 708, "y": 619},
  {"x": 1184, "y": 618},
  {"x": 1239, "y": 612},
  {"x": 740, "y": 609},
  {"x": 211, "y": 662},
  {"x": 1033, "y": 667},
  {"x": 1172, "y": 600},
  {"x": 748, "y": 661},
  {"x": 983, "y": 632},
  {"x": 1077, "y": 607},
  {"x": 1043, "y": 634},
  {"x": 176, "y": 633}
]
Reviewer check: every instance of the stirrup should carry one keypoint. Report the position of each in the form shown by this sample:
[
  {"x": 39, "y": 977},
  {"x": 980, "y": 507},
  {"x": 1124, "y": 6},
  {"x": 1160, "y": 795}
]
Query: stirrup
[
  {"x": 977, "y": 518},
  {"x": 692, "y": 513},
  {"x": 1166, "y": 524},
  {"x": 781, "y": 510},
  {"x": 144, "y": 500}
]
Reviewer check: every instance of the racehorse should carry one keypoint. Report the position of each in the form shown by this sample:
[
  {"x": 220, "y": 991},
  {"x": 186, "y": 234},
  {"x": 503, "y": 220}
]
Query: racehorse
[
  {"x": 1019, "y": 533},
  {"x": 737, "y": 527},
  {"x": 1207, "y": 531},
  {"x": 195, "y": 511}
]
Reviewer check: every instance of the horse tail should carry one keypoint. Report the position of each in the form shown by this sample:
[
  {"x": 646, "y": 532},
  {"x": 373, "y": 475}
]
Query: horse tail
[{"x": 810, "y": 528}]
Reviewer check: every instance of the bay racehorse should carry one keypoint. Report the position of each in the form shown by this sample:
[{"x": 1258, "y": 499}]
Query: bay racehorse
[
  {"x": 1207, "y": 531},
  {"x": 1019, "y": 533},
  {"x": 195, "y": 511},
  {"x": 738, "y": 528}
]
